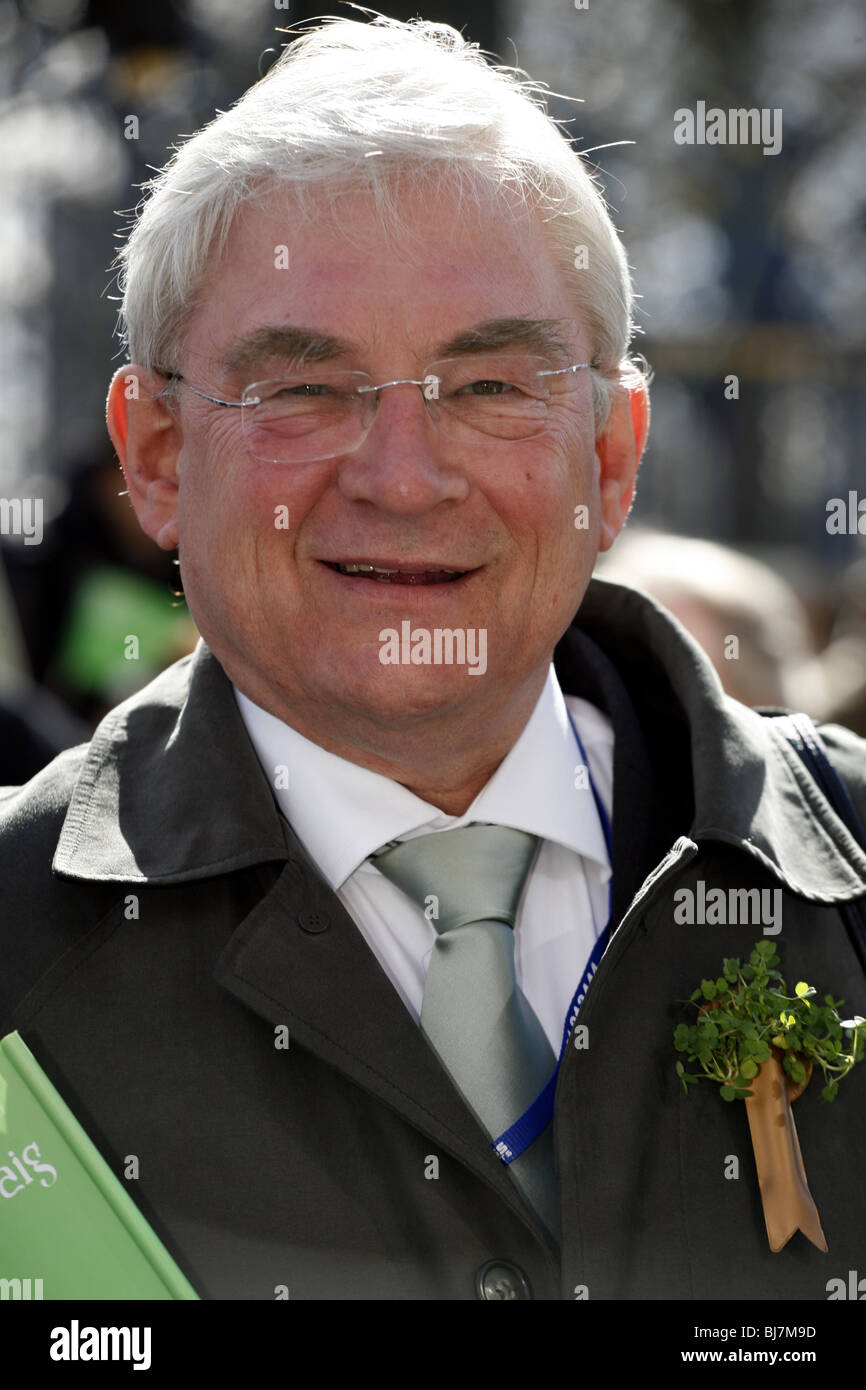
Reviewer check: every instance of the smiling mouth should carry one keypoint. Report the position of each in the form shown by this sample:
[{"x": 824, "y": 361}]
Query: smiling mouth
[{"x": 380, "y": 574}]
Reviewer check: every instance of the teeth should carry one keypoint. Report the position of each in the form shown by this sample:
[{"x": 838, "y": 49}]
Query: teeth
[{"x": 377, "y": 569}]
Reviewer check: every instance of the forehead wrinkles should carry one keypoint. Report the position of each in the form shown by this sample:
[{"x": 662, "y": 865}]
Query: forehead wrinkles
[{"x": 504, "y": 265}]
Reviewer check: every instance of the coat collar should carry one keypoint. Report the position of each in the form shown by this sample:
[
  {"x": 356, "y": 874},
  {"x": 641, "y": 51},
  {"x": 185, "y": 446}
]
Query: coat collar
[
  {"x": 141, "y": 810},
  {"x": 159, "y": 763},
  {"x": 750, "y": 788}
]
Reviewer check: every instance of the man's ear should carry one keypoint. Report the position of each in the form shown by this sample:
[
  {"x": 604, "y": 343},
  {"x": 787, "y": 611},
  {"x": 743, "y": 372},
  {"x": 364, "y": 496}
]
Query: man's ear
[
  {"x": 619, "y": 451},
  {"x": 148, "y": 439}
]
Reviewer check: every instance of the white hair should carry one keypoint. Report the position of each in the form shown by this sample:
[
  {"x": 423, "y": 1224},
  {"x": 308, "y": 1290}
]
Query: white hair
[{"x": 428, "y": 105}]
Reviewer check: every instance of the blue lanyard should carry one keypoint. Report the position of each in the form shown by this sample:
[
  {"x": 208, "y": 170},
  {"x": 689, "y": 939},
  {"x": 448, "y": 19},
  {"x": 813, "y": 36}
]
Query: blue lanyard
[{"x": 511, "y": 1144}]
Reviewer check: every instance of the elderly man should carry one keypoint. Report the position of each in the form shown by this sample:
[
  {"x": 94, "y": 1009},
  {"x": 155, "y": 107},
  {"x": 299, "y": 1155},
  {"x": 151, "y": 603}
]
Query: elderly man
[{"x": 357, "y": 928}]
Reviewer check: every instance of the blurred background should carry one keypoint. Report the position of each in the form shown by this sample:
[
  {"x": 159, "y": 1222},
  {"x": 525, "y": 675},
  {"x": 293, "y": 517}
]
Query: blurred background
[{"x": 750, "y": 267}]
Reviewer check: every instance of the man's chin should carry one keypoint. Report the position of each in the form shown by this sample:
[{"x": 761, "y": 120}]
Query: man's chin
[{"x": 401, "y": 695}]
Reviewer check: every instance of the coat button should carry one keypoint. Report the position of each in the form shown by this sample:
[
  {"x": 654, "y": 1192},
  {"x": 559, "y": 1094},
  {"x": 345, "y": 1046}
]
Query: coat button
[
  {"x": 501, "y": 1279},
  {"x": 313, "y": 921}
]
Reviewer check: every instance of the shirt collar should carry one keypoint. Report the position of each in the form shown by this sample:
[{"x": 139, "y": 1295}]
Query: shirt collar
[{"x": 342, "y": 813}]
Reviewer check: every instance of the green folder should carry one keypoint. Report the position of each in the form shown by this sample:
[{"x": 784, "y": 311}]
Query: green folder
[{"x": 68, "y": 1227}]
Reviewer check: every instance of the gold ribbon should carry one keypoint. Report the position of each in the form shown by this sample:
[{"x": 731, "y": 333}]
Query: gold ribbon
[{"x": 788, "y": 1203}]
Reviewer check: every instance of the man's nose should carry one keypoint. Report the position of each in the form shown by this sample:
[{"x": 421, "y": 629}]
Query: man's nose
[{"x": 404, "y": 465}]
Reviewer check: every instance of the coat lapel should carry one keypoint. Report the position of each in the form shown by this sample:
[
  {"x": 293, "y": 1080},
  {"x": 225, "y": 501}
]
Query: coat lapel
[{"x": 298, "y": 959}]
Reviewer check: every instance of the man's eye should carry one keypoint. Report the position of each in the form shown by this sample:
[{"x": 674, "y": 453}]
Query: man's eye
[
  {"x": 488, "y": 388},
  {"x": 304, "y": 389}
]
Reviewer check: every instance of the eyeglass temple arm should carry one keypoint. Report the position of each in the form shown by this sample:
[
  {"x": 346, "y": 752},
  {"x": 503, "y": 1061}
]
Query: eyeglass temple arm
[
  {"x": 575, "y": 367},
  {"x": 176, "y": 376}
]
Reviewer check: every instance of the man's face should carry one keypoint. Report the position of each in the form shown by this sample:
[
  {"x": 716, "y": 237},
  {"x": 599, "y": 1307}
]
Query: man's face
[{"x": 281, "y": 619}]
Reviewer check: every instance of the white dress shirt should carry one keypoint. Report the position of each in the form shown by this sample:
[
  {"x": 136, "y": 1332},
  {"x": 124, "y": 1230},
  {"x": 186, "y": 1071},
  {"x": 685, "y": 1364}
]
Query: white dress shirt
[{"x": 342, "y": 813}]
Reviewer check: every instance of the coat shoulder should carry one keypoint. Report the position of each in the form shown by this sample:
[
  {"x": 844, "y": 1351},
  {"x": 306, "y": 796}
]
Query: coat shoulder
[
  {"x": 40, "y": 804},
  {"x": 43, "y": 915}
]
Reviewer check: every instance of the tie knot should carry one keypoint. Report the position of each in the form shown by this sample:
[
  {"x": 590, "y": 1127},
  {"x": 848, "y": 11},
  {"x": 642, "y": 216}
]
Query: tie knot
[{"x": 476, "y": 873}]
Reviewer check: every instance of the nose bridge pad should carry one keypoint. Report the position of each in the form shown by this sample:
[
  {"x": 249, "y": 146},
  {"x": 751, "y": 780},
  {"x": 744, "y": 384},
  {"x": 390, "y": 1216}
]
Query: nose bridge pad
[{"x": 429, "y": 389}]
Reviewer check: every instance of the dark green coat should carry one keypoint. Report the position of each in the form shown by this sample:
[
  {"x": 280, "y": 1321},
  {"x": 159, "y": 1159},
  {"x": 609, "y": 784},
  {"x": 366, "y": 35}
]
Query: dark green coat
[{"x": 160, "y": 921}]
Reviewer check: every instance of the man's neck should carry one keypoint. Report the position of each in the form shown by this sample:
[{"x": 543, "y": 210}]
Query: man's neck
[{"x": 443, "y": 761}]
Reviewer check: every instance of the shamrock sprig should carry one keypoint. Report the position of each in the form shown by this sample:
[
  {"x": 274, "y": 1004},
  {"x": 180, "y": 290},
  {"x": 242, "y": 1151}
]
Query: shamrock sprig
[{"x": 747, "y": 1012}]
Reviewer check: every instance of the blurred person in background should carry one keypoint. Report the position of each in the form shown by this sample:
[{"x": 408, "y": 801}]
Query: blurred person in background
[
  {"x": 842, "y": 663},
  {"x": 98, "y": 604},
  {"x": 90, "y": 93},
  {"x": 748, "y": 619},
  {"x": 34, "y": 724}
]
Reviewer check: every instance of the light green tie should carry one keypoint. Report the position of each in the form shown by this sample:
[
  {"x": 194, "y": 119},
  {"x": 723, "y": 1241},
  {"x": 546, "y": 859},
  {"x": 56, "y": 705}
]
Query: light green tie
[{"x": 480, "y": 1024}]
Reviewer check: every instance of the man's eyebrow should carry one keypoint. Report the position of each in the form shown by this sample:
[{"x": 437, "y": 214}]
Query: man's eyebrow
[
  {"x": 298, "y": 344},
  {"x": 285, "y": 340},
  {"x": 542, "y": 335}
]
